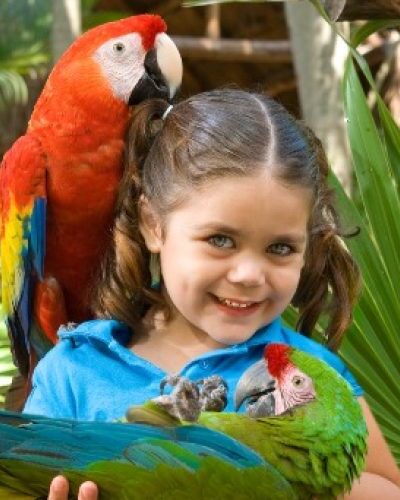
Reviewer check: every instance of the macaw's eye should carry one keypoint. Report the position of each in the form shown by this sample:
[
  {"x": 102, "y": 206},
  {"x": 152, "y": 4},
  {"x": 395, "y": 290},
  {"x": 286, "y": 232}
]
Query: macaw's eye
[
  {"x": 119, "y": 48},
  {"x": 298, "y": 381}
]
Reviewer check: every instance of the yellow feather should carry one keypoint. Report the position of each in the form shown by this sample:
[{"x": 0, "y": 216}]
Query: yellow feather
[{"x": 13, "y": 245}]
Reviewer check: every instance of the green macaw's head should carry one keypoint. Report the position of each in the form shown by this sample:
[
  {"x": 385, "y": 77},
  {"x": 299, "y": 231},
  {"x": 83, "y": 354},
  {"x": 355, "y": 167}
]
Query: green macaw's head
[{"x": 289, "y": 382}]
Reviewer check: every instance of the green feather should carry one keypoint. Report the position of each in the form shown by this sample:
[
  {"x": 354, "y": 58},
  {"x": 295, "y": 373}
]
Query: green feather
[{"x": 120, "y": 481}]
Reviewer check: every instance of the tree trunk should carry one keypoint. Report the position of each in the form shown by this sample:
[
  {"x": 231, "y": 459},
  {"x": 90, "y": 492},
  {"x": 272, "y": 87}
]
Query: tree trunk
[
  {"x": 67, "y": 25},
  {"x": 318, "y": 57}
]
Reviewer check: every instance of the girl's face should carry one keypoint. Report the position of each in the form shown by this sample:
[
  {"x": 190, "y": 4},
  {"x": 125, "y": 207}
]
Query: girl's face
[{"x": 231, "y": 255}]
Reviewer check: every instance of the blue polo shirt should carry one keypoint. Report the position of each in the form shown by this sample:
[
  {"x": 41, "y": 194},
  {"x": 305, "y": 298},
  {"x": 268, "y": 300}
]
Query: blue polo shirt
[{"x": 91, "y": 374}]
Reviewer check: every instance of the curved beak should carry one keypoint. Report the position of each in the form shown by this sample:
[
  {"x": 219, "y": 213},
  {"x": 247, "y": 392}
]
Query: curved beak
[
  {"x": 163, "y": 72},
  {"x": 256, "y": 387}
]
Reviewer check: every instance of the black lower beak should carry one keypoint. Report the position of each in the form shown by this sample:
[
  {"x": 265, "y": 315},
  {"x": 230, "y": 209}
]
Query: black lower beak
[
  {"x": 152, "y": 84},
  {"x": 264, "y": 406}
]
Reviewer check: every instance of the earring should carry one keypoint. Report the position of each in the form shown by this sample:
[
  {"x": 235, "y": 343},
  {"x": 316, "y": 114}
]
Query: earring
[{"x": 155, "y": 271}]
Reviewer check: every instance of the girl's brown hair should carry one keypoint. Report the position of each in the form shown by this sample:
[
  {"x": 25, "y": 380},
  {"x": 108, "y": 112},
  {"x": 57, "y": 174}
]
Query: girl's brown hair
[{"x": 213, "y": 135}]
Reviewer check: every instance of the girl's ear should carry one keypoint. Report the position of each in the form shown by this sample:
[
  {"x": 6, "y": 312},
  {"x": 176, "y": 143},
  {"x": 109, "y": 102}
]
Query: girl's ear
[{"x": 150, "y": 225}]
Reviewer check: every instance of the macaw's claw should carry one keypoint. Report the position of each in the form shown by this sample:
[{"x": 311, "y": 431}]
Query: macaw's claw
[
  {"x": 213, "y": 393},
  {"x": 188, "y": 399},
  {"x": 184, "y": 400}
]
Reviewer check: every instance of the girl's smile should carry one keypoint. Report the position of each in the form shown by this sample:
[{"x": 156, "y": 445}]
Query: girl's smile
[
  {"x": 236, "y": 307},
  {"x": 231, "y": 257}
]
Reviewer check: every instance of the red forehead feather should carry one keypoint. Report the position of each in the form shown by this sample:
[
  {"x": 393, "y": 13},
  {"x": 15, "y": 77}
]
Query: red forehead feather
[
  {"x": 147, "y": 25},
  {"x": 277, "y": 358}
]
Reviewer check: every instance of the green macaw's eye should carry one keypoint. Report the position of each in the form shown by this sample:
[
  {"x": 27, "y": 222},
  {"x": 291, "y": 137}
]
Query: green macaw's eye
[{"x": 298, "y": 381}]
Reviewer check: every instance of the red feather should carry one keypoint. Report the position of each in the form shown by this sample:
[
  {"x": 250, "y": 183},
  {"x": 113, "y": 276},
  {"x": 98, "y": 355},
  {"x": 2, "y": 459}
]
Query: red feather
[{"x": 277, "y": 358}]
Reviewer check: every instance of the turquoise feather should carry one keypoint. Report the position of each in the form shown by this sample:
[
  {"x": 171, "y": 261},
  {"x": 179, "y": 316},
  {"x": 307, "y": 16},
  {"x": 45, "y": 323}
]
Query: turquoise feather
[{"x": 34, "y": 449}]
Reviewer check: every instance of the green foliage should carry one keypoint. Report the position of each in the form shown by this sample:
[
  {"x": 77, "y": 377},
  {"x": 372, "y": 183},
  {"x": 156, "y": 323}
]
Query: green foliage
[
  {"x": 13, "y": 89},
  {"x": 92, "y": 17},
  {"x": 24, "y": 45},
  {"x": 372, "y": 345},
  {"x": 24, "y": 34},
  {"x": 25, "y": 29}
]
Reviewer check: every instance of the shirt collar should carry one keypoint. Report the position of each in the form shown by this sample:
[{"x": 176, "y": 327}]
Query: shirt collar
[
  {"x": 103, "y": 330},
  {"x": 107, "y": 331}
]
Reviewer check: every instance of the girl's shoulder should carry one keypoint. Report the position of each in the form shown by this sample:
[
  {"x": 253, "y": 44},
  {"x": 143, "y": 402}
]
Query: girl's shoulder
[
  {"x": 80, "y": 340},
  {"x": 81, "y": 369}
]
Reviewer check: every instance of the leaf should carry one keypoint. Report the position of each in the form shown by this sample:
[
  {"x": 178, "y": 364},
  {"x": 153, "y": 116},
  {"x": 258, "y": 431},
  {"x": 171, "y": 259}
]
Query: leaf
[
  {"x": 369, "y": 28},
  {"x": 13, "y": 89}
]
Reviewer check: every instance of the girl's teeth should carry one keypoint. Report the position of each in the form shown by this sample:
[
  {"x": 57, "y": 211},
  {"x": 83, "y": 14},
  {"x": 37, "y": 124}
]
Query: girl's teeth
[{"x": 230, "y": 303}]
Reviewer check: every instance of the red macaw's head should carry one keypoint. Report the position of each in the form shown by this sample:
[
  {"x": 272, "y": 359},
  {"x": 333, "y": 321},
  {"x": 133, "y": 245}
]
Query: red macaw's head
[
  {"x": 274, "y": 385},
  {"x": 112, "y": 66}
]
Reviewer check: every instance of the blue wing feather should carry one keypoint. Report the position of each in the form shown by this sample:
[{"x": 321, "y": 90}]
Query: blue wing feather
[
  {"x": 37, "y": 239},
  {"x": 62, "y": 443}
]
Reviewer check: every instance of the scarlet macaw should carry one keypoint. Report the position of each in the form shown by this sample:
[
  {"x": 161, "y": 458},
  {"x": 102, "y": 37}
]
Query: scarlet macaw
[{"x": 58, "y": 182}]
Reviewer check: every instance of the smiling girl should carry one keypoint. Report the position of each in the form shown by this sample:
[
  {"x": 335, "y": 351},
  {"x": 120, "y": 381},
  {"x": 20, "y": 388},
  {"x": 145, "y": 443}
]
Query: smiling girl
[{"x": 225, "y": 219}]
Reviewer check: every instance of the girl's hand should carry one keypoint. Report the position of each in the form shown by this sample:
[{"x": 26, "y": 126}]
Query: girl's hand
[{"x": 59, "y": 488}]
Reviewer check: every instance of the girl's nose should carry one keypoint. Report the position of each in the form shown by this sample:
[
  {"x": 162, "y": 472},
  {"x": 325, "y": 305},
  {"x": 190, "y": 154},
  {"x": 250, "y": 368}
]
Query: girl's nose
[{"x": 247, "y": 273}]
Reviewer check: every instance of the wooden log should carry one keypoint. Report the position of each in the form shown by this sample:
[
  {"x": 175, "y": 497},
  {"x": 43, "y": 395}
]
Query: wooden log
[
  {"x": 252, "y": 51},
  {"x": 370, "y": 9},
  {"x": 277, "y": 51}
]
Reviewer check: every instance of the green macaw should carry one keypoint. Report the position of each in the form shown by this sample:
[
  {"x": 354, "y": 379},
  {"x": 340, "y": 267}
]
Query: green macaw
[
  {"x": 302, "y": 436},
  {"x": 301, "y": 417}
]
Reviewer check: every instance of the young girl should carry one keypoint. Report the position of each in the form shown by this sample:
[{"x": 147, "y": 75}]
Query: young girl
[{"x": 224, "y": 219}]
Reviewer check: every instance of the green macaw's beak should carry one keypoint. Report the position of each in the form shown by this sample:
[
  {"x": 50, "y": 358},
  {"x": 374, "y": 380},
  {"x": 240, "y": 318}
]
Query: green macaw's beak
[{"x": 256, "y": 387}]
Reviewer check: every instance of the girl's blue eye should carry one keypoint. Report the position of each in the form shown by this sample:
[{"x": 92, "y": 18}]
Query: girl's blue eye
[
  {"x": 220, "y": 241},
  {"x": 281, "y": 249}
]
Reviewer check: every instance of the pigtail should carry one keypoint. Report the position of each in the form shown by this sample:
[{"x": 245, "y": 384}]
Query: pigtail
[
  {"x": 123, "y": 290},
  {"x": 330, "y": 280}
]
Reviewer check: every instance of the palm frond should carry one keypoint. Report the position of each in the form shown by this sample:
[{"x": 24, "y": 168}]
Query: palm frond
[
  {"x": 372, "y": 346},
  {"x": 24, "y": 35},
  {"x": 13, "y": 89}
]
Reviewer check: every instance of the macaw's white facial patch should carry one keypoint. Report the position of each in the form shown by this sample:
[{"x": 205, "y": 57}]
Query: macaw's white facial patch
[{"x": 122, "y": 62}]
